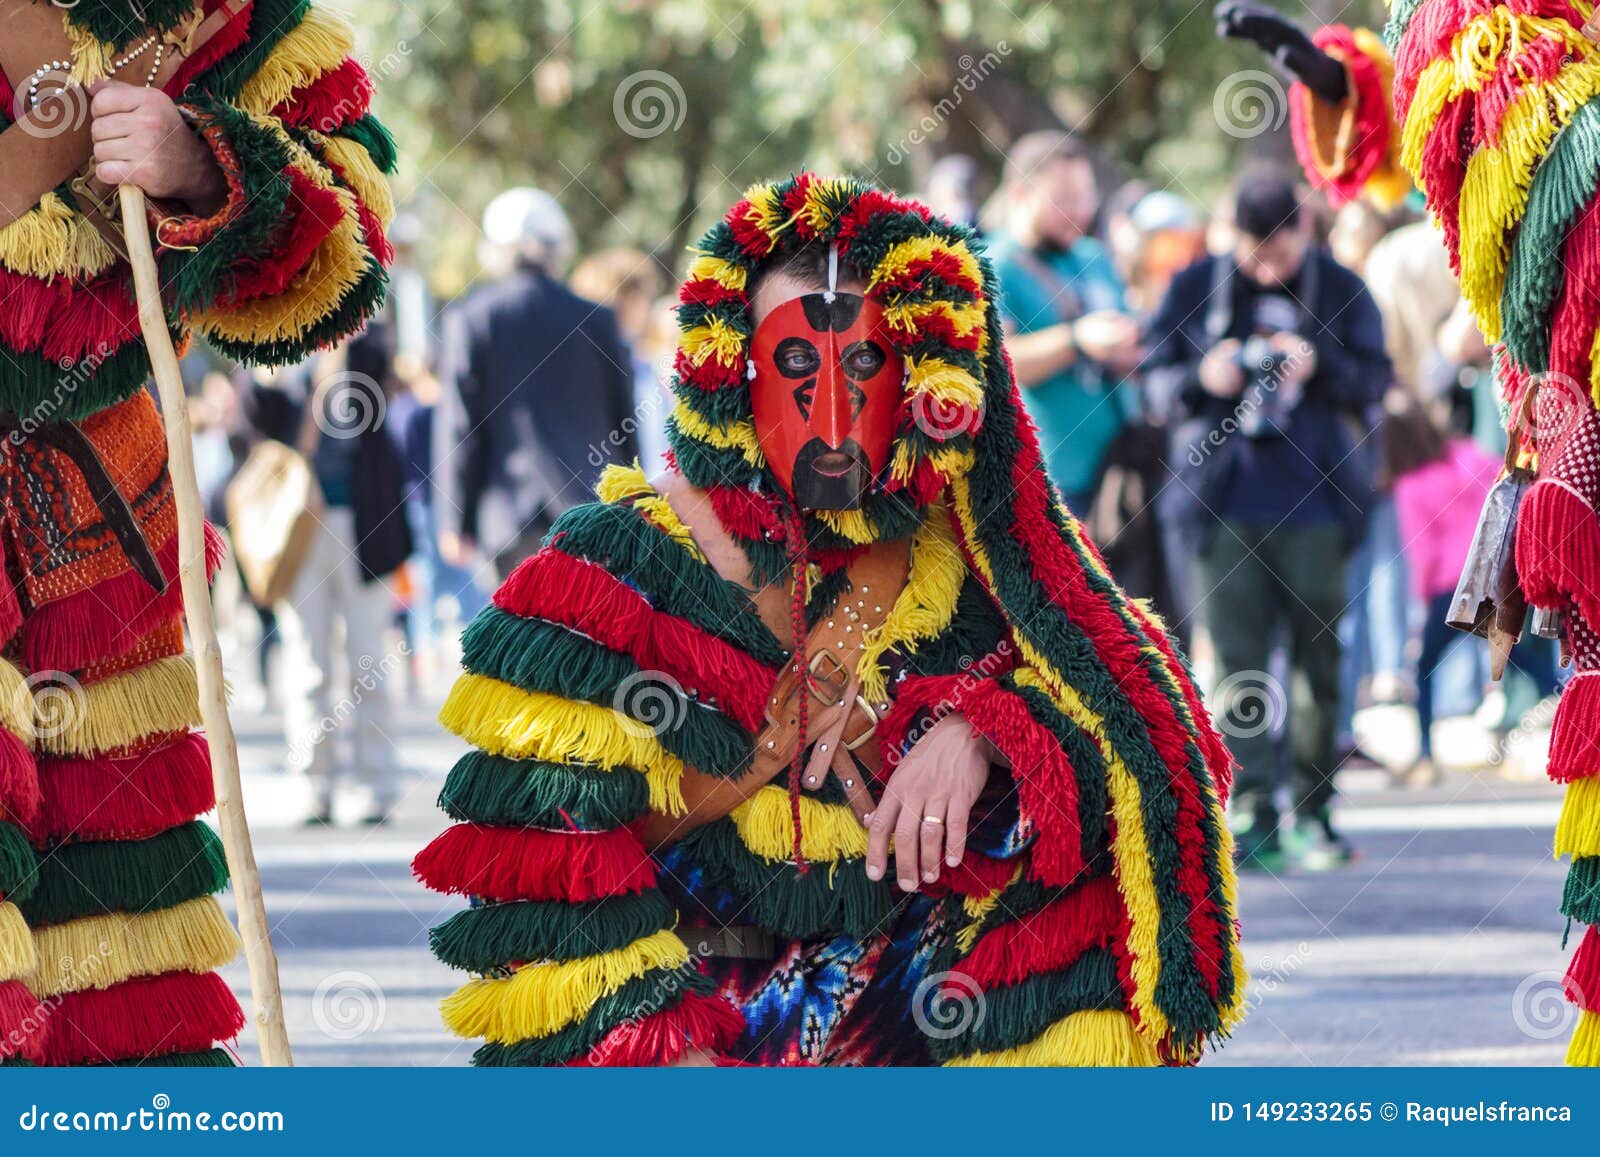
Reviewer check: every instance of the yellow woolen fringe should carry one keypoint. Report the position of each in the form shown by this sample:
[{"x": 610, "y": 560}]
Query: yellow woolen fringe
[
  {"x": 360, "y": 174},
  {"x": 539, "y": 999},
  {"x": 17, "y": 956},
  {"x": 740, "y": 436},
  {"x": 99, "y": 951},
  {"x": 1099, "y": 1038},
  {"x": 314, "y": 47},
  {"x": 505, "y": 720},
  {"x": 1584, "y": 1051},
  {"x": 1578, "y": 830},
  {"x": 829, "y": 832},
  {"x": 159, "y": 697},
  {"x": 52, "y": 240},
  {"x": 16, "y": 703},
  {"x": 926, "y": 605}
]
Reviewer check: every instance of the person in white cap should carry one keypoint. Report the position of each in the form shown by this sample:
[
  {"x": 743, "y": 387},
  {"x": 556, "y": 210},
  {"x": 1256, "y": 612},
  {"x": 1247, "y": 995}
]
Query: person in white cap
[{"x": 537, "y": 390}]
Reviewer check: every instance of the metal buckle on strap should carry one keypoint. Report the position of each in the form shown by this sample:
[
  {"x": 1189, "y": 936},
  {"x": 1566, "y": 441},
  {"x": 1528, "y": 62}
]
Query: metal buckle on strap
[
  {"x": 828, "y": 686},
  {"x": 865, "y": 737}
]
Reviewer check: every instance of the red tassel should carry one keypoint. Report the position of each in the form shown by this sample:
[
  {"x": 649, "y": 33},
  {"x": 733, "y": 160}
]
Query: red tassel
[
  {"x": 1088, "y": 916},
  {"x": 1558, "y": 549},
  {"x": 560, "y": 588},
  {"x": 707, "y": 1023},
  {"x": 177, "y": 1012},
  {"x": 977, "y": 875},
  {"x": 19, "y": 781},
  {"x": 108, "y": 618},
  {"x": 127, "y": 797},
  {"x": 334, "y": 99},
  {"x": 1372, "y": 130},
  {"x": 505, "y": 864},
  {"x": 22, "y": 1023},
  {"x": 1583, "y": 976},
  {"x": 1575, "y": 734}
]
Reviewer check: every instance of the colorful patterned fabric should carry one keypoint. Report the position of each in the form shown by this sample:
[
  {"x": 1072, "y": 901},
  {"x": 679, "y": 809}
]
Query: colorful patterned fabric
[
  {"x": 110, "y": 931},
  {"x": 617, "y": 656}
]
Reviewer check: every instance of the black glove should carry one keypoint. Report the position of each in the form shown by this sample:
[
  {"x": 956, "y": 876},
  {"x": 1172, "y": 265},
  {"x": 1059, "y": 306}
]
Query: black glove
[{"x": 1290, "y": 48}]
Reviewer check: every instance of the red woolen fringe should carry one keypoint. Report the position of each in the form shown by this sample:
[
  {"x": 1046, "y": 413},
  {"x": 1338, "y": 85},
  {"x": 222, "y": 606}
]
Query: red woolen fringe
[
  {"x": 22, "y": 1023},
  {"x": 1558, "y": 549},
  {"x": 1575, "y": 734},
  {"x": 19, "y": 781},
  {"x": 708, "y": 1023},
  {"x": 127, "y": 797},
  {"x": 1577, "y": 305},
  {"x": 977, "y": 875},
  {"x": 748, "y": 515},
  {"x": 176, "y": 1012},
  {"x": 560, "y": 588},
  {"x": 316, "y": 213},
  {"x": 1057, "y": 569},
  {"x": 1089, "y": 916},
  {"x": 505, "y": 864},
  {"x": 110, "y": 617},
  {"x": 334, "y": 99},
  {"x": 1444, "y": 168},
  {"x": 66, "y": 320},
  {"x": 1583, "y": 975}
]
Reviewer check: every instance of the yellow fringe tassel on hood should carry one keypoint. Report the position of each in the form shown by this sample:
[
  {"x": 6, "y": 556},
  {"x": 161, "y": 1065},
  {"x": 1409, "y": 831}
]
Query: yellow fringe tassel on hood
[
  {"x": 540, "y": 999},
  {"x": 17, "y": 956}
]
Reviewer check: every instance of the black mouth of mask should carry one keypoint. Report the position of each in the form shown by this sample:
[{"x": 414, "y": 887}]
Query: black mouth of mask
[{"x": 829, "y": 479}]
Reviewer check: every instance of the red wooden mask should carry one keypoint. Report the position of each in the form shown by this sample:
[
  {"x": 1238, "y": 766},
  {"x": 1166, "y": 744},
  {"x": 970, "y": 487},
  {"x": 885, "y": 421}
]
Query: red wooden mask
[{"x": 827, "y": 386}]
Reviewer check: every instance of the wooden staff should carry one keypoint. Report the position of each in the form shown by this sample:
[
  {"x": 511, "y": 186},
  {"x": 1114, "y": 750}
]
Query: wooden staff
[{"x": 265, "y": 991}]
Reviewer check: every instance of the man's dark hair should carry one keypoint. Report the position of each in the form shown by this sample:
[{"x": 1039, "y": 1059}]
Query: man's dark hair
[
  {"x": 809, "y": 264},
  {"x": 1264, "y": 204}
]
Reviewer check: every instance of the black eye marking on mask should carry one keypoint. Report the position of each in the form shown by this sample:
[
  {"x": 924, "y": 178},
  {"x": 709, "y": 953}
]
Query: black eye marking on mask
[
  {"x": 795, "y": 357},
  {"x": 803, "y": 396},
  {"x": 863, "y": 360}
]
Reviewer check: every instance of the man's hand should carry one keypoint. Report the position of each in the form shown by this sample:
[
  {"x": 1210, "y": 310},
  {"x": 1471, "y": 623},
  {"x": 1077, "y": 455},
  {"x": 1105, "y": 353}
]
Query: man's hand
[
  {"x": 1300, "y": 357},
  {"x": 141, "y": 138},
  {"x": 1108, "y": 337},
  {"x": 927, "y": 803},
  {"x": 1220, "y": 374}
]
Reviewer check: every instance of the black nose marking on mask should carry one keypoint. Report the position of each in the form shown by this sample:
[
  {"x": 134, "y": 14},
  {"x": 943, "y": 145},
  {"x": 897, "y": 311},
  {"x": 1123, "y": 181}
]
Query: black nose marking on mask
[{"x": 836, "y": 316}]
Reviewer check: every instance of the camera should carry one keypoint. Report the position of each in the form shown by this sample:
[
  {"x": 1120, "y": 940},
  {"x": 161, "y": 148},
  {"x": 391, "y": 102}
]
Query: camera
[{"x": 1266, "y": 401}]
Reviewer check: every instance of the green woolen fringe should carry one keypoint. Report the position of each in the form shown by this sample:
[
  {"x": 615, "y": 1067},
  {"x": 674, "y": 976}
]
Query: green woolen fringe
[
  {"x": 1580, "y": 900},
  {"x": 16, "y": 1063},
  {"x": 29, "y": 381},
  {"x": 495, "y": 935},
  {"x": 537, "y": 655},
  {"x": 976, "y": 630},
  {"x": 1015, "y": 1014},
  {"x": 210, "y": 1059},
  {"x": 832, "y": 899},
  {"x": 371, "y": 134},
  {"x": 1400, "y": 16},
  {"x": 19, "y": 870},
  {"x": 91, "y": 879},
  {"x": 491, "y": 789},
  {"x": 121, "y": 22},
  {"x": 654, "y": 992},
  {"x": 270, "y": 22},
  {"x": 1088, "y": 769},
  {"x": 618, "y": 538}
]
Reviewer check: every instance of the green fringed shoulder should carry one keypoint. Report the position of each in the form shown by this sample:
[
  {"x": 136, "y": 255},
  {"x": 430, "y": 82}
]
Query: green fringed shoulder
[{"x": 121, "y": 22}]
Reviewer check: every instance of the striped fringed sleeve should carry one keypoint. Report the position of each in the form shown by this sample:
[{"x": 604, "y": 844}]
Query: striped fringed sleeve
[
  {"x": 608, "y": 662},
  {"x": 294, "y": 260},
  {"x": 22, "y": 1026}
]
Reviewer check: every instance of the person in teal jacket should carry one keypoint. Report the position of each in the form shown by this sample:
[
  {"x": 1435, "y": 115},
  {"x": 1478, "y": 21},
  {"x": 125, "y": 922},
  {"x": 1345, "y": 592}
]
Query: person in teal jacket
[{"x": 1073, "y": 340}]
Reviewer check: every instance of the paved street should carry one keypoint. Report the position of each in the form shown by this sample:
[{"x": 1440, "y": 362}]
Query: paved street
[{"x": 1415, "y": 955}]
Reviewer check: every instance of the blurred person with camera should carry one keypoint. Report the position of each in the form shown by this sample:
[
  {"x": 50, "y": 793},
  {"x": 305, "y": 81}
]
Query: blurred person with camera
[
  {"x": 1269, "y": 360},
  {"x": 537, "y": 391}
]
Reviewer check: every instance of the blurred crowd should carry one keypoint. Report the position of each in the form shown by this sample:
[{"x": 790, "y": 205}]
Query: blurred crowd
[{"x": 1275, "y": 420}]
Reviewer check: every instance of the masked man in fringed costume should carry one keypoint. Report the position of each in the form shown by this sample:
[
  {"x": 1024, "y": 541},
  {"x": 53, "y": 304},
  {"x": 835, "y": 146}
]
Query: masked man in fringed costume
[
  {"x": 247, "y": 124},
  {"x": 1494, "y": 112},
  {"x": 852, "y": 609}
]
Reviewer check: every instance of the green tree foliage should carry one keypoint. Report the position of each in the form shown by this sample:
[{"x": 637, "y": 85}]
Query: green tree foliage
[{"x": 648, "y": 116}]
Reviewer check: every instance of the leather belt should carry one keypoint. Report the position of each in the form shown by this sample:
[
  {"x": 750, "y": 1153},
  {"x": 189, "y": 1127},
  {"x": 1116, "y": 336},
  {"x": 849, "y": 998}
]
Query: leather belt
[
  {"x": 52, "y": 143},
  {"x": 736, "y": 942}
]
